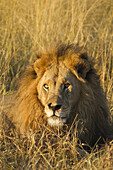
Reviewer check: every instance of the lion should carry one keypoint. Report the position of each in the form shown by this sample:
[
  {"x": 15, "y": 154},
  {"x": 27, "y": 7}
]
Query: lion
[{"x": 60, "y": 88}]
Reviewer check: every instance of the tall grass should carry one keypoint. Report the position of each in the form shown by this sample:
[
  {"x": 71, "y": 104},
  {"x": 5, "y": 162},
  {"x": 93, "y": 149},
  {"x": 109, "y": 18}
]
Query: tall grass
[{"x": 27, "y": 26}]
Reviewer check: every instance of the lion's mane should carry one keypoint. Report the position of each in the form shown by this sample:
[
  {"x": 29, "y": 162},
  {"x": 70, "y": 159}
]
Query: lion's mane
[{"x": 92, "y": 111}]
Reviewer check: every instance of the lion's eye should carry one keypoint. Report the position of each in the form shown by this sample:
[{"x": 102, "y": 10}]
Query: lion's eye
[
  {"x": 46, "y": 87},
  {"x": 66, "y": 85}
]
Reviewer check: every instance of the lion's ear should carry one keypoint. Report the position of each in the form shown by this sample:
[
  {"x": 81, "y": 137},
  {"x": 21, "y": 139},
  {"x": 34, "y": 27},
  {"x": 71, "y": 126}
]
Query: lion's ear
[
  {"x": 38, "y": 56},
  {"x": 84, "y": 56},
  {"x": 83, "y": 66},
  {"x": 37, "y": 65},
  {"x": 81, "y": 71}
]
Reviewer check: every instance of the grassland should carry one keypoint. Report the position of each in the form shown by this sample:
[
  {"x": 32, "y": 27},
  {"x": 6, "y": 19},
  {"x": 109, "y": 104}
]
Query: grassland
[{"x": 27, "y": 26}]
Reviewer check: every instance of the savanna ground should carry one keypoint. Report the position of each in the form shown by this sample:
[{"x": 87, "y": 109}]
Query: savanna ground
[{"x": 27, "y": 26}]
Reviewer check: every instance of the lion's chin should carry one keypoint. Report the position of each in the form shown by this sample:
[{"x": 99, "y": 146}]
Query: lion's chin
[{"x": 56, "y": 121}]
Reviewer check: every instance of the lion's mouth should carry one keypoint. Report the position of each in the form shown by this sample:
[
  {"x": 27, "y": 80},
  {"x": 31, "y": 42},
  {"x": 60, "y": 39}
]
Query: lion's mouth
[{"x": 56, "y": 121}]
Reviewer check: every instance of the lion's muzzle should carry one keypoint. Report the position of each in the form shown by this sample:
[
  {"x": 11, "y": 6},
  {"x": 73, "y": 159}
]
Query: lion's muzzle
[
  {"x": 53, "y": 107},
  {"x": 53, "y": 110},
  {"x": 55, "y": 114}
]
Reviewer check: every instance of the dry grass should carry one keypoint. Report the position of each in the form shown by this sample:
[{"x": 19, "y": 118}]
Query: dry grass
[
  {"x": 28, "y": 26},
  {"x": 51, "y": 151}
]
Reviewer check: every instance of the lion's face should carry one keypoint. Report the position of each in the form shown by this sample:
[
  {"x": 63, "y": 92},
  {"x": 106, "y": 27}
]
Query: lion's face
[{"x": 58, "y": 91}]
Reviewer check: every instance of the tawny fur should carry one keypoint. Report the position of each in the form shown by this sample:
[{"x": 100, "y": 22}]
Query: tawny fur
[{"x": 92, "y": 112}]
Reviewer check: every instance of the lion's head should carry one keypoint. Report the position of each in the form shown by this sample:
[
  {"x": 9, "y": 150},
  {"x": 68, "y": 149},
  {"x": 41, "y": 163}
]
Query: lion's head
[
  {"x": 58, "y": 91},
  {"x": 61, "y": 85}
]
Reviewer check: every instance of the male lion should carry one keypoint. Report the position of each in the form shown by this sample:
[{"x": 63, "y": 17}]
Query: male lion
[{"x": 60, "y": 87}]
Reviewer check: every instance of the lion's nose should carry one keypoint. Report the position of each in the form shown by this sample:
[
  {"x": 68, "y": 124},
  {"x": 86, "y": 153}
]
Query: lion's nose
[{"x": 54, "y": 107}]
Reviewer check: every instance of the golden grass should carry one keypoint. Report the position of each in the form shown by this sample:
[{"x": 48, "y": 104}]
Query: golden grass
[
  {"x": 28, "y": 26},
  {"x": 50, "y": 152}
]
